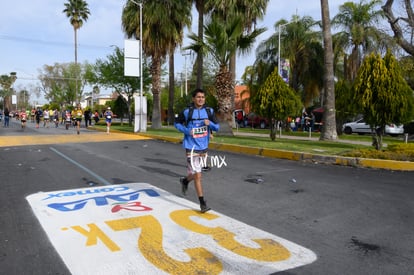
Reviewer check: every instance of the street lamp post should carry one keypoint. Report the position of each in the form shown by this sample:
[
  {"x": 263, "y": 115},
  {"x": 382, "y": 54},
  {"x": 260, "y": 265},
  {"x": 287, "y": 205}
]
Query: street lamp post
[
  {"x": 140, "y": 65},
  {"x": 185, "y": 69}
]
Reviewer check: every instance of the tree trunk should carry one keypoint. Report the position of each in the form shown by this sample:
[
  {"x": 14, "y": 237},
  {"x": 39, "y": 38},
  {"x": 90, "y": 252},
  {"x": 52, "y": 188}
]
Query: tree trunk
[
  {"x": 171, "y": 88},
  {"x": 156, "y": 92},
  {"x": 225, "y": 96},
  {"x": 76, "y": 65},
  {"x": 7, "y": 103},
  {"x": 396, "y": 28},
  {"x": 232, "y": 68},
  {"x": 377, "y": 138},
  {"x": 329, "y": 126},
  {"x": 273, "y": 128},
  {"x": 200, "y": 61}
]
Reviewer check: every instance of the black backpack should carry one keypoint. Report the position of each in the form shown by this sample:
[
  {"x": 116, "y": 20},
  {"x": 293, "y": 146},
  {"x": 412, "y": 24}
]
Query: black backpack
[{"x": 185, "y": 120}]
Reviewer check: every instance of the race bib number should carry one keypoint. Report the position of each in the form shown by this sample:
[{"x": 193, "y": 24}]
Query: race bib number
[{"x": 200, "y": 131}]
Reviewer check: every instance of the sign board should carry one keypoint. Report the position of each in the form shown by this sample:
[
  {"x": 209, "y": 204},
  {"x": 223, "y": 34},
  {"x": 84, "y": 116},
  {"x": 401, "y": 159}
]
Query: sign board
[
  {"x": 131, "y": 58},
  {"x": 140, "y": 115}
]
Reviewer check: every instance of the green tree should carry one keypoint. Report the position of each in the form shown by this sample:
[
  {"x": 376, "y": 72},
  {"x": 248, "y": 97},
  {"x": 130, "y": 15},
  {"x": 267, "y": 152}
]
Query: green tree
[
  {"x": 6, "y": 83},
  {"x": 159, "y": 32},
  {"x": 78, "y": 12},
  {"x": 221, "y": 40},
  {"x": 109, "y": 73},
  {"x": 382, "y": 95},
  {"x": 277, "y": 101},
  {"x": 60, "y": 82},
  {"x": 120, "y": 107},
  {"x": 407, "y": 67},
  {"x": 254, "y": 77},
  {"x": 359, "y": 33},
  {"x": 23, "y": 97},
  {"x": 344, "y": 110}
]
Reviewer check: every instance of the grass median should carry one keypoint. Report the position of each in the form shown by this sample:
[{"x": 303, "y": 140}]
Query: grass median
[{"x": 345, "y": 146}]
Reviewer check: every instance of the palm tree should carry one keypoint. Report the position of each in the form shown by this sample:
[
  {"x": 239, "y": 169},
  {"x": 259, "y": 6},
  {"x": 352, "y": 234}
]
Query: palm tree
[
  {"x": 329, "y": 127},
  {"x": 249, "y": 11},
  {"x": 180, "y": 16},
  {"x": 78, "y": 12},
  {"x": 160, "y": 30},
  {"x": 301, "y": 45},
  {"x": 358, "y": 22},
  {"x": 222, "y": 38}
]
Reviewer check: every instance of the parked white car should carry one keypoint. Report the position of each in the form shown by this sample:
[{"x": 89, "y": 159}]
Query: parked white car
[{"x": 359, "y": 126}]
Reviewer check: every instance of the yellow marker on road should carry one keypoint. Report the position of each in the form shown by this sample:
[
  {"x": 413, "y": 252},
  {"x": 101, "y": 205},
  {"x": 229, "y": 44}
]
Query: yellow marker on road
[{"x": 8, "y": 141}]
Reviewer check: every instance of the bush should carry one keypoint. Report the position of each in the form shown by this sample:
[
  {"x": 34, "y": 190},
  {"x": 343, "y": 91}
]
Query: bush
[{"x": 400, "y": 152}]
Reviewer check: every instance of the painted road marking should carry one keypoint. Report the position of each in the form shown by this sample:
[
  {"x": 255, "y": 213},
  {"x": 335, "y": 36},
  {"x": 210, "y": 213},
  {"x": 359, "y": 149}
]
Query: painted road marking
[
  {"x": 8, "y": 141},
  {"x": 87, "y": 170},
  {"x": 137, "y": 228}
]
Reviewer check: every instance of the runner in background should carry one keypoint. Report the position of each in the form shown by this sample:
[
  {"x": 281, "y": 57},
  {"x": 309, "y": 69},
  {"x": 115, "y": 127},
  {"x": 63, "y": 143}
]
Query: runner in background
[
  {"x": 38, "y": 115},
  {"x": 46, "y": 118},
  {"x": 108, "y": 118},
  {"x": 23, "y": 118},
  {"x": 56, "y": 117},
  {"x": 77, "y": 114}
]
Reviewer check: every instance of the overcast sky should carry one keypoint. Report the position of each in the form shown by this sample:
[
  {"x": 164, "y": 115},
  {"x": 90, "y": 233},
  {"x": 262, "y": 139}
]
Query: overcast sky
[{"x": 35, "y": 33}]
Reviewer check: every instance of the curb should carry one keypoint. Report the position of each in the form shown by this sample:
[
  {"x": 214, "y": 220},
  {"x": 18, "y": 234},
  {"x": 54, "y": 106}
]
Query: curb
[{"x": 299, "y": 156}]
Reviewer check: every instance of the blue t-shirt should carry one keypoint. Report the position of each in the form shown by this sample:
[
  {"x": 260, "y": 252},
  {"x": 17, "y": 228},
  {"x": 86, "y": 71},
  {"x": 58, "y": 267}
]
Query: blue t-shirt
[{"x": 200, "y": 138}]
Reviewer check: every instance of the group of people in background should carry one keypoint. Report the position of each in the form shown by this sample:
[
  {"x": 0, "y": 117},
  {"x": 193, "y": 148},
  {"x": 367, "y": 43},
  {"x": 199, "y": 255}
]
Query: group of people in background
[
  {"x": 46, "y": 116},
  {"x": 306, "y": 122}
]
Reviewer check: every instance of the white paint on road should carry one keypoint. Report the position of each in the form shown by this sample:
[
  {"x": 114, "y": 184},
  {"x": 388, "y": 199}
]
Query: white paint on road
[{"x": 141, "y": 229}]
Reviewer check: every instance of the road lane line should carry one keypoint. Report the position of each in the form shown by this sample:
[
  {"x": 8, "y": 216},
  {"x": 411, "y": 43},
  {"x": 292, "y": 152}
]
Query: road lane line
[{"x": 104, "y": 181}]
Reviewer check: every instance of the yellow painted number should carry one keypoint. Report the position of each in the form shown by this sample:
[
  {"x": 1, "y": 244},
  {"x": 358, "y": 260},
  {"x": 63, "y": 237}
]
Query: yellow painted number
[
  {"x": 94, "y": 234},
  {"x": 150, "y": 245},
  {"x": 269, "y": 249}
]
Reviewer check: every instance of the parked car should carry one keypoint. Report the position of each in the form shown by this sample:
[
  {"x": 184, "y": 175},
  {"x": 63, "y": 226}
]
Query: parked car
[
  {"x": 256, "y": 121},
  {"x": 360, "y": 127}
]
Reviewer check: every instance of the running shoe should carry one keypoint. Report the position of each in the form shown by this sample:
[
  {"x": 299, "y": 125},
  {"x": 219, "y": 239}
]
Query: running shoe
[
  {"x": 184, "y": 185},
  {"x": 204, "y": 208}
]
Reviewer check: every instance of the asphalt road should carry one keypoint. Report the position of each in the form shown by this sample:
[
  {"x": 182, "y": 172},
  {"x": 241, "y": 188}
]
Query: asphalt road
[{"x": 356, "y": 221}]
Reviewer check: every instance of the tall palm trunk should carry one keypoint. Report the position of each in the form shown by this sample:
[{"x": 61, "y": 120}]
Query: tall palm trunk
[
  {"x": 354, "y": 63},
  {"x": 225, "y": 97},
  {"x": 329, "y": 126},
  {"x": 200, "y": 61},
  {"x": 156, "y": 92},
  {"x": 232, "y": 67},
  {"x": 171, "y": 88},
  {"x": 76, "y": 64},
  {"x": 76, "y": 45}
]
